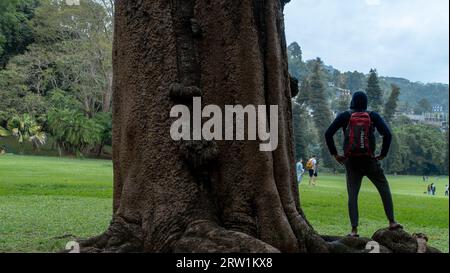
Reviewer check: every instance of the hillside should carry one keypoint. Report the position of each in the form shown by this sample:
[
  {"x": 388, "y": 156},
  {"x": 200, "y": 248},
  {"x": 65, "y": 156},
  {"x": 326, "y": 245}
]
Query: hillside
[{"x": 411, "y": 92}]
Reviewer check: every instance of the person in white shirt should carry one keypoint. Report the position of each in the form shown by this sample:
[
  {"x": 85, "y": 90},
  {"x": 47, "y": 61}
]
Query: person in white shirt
[
  {"x": 300, "y": 171},
  {"x": 312, "y": 169}
]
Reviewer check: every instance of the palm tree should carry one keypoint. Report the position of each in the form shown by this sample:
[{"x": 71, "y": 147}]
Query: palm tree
[
  {"x": 4, "y": 132},
  {"x": 73, "y": 131},
  {"x": 25, "y": 128}
]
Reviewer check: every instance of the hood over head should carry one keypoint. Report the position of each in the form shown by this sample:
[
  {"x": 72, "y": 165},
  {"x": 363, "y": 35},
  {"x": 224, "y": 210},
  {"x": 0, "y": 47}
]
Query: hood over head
[{"x": 359, "y": 101}]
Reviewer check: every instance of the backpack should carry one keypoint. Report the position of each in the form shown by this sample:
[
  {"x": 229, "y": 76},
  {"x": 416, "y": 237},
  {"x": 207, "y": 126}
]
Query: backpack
[
  {"x": 309, "y": 164},
  {"x": 359, "y": 135}
]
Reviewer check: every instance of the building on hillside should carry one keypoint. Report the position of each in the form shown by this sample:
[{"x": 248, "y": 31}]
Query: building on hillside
[
  {"x": 436, "y": 118},
  {"x": 343, "y": 93},
  {"x": 439, "y": 119},
  {"x": 438, "y": 108}
]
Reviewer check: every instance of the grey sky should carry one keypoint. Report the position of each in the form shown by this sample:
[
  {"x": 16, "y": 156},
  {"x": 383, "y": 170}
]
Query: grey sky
[{"x": 401, "y": 38}]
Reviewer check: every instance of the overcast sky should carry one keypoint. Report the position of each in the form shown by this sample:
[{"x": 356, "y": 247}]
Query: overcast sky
[{"x": 400, "y": 38}]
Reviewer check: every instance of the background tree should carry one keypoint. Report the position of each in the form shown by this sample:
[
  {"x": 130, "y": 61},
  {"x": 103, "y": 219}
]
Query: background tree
[
  {"x": 422, "y": 147},
  {"x": 304, "y": 127},
  {"x": 15, "y": 32},
  {"x": 446, "y": 151},
  {"x": 299, "y": 119},
  {"x": 354, "y": 81},
  {"x": 25, "y": 128},
  {"x": 82, "y": 37},
  {"x": 423, "y": 106},
  {"x": 298, "y": 68},
  {"x": 73, "y": 131},
  {"x": 320, "y": 109},
  {"x": 391, "y": 105},
  {"x": 374, "y": 92},
  {"x": 4, "y": 132},
  {"x": 67, "y": 66},
  {"x": 342, "y": 105},
  {"x": 394, "y": 163},
  {"x": 104, "y": 121}
]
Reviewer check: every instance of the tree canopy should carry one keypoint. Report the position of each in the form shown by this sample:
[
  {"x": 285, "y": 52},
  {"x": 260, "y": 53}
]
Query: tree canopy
[{"x": 57, "y": 58}]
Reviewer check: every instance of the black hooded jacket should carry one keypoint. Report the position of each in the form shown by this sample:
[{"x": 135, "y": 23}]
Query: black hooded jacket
[{"x": 358, "y": 104}]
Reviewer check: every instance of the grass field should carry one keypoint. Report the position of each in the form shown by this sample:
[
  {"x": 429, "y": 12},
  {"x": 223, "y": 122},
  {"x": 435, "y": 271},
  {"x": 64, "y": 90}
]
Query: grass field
[{"x": 43, "y": 199}]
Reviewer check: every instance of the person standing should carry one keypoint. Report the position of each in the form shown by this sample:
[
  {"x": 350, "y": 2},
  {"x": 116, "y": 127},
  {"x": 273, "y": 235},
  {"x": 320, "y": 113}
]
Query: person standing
[
  {"x": 300, "y": 171},
  {"x": 311, "y": 165},
  {"x": 359, "y": 159},
  {"x": 433, "y": 189},
  {"x": 446, "y": 190}
]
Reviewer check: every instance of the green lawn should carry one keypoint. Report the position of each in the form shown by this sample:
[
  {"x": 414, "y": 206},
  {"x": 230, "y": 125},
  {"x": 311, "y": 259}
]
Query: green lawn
[
  {"x": 326, "y": 207},
  {"x": 44, "y": 198}
]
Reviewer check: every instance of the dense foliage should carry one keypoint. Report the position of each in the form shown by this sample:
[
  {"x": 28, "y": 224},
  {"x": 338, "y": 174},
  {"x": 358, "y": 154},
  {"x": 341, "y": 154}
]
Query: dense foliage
[
  {"x": 57, "y": 69},
  {"x": 15, "y": 30}
]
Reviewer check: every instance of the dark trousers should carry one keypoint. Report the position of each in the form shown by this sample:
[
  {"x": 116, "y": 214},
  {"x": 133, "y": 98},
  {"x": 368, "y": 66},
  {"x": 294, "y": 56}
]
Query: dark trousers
[{"x": 356, "y": 169}]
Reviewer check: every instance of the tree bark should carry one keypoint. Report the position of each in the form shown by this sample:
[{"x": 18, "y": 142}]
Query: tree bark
[
  {"x": 106, "y": 105},
  {"x": 223, "y": 196}
]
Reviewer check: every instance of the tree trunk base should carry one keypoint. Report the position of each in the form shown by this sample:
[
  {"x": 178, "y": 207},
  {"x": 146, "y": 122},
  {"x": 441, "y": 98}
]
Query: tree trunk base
[
  {"x": 207, "y": 237},
  {"x": 120, "y": 237}
]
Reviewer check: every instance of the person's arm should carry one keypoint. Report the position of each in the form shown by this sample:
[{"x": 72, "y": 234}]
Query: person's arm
[
  {"x": 338, "y": 123},
  {"x": 384, "y": 130}
]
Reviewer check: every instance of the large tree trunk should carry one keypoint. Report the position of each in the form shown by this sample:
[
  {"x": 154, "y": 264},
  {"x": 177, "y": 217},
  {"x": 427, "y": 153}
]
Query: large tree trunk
[
  {"x": 106, "y": 105},
  {"x": 223, "y": 196}
]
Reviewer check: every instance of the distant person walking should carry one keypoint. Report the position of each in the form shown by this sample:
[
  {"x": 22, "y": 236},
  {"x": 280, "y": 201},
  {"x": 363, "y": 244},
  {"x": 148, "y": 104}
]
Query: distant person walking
[
  {"x": 433, "y": 189},
  {"x": 446, "y": 190},
  {"x": 429, "y": 189},
  {"x": 300, "y": 171},
  {"x": 311, "y": 166},
  {"x": 359, "y": 146}
]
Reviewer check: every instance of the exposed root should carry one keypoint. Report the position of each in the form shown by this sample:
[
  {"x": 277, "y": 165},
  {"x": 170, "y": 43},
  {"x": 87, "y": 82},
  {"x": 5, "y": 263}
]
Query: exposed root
[
  {"x": 207, "y": 237},
  {"x": 399, "y": 241},
  {"x": 353, "y": 245},
  {"x": 121, "y": 237},
  {"x": 315, "y": 244},
  {"x": 387, "y": 241},
  {"x": 308, "y": 239}
]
